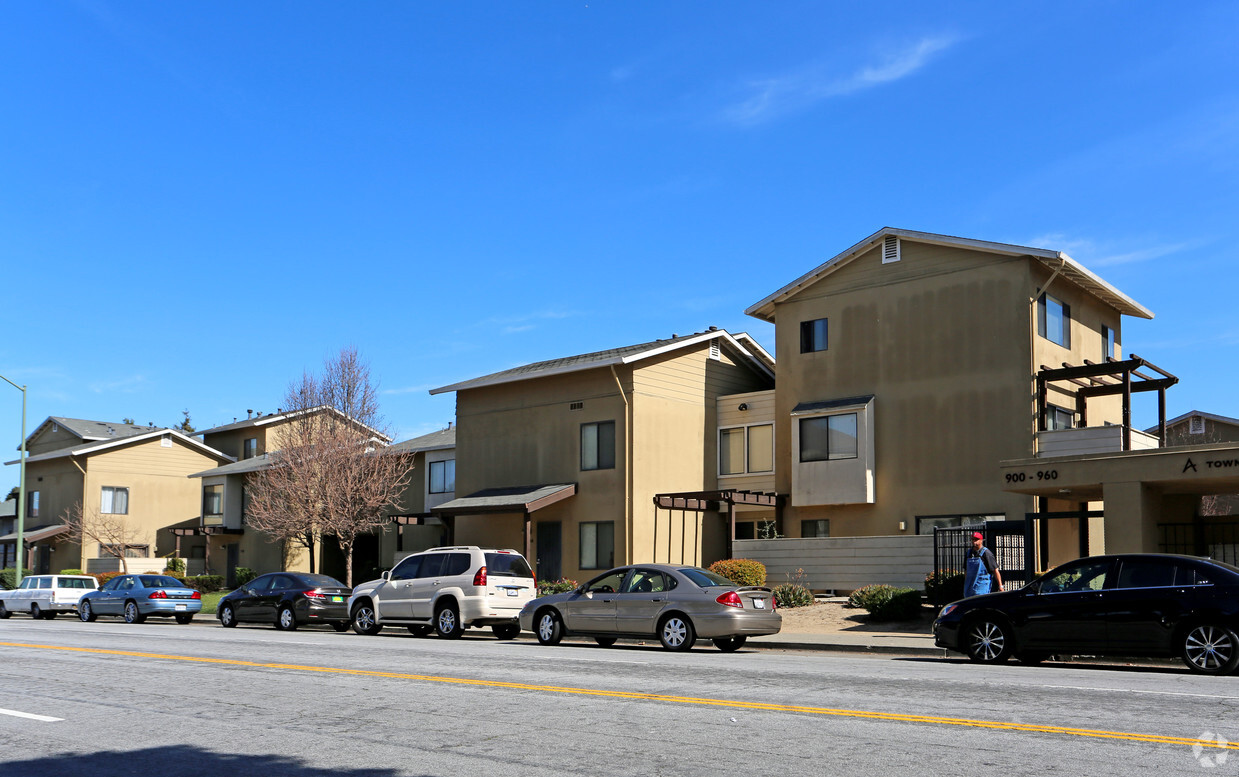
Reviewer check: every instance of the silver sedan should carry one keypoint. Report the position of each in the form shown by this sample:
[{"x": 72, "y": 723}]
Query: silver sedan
[{"x": 675, "y": 603}]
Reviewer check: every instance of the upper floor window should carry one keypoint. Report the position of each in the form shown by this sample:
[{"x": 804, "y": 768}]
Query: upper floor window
[
  {"x": 746, "y": 449},
  {"x": 114, "y": 501},
  {"x": 1054, "y": 320},
  {"x": 443, "y": 476},
  {"x": 32, "y": 504},
  {"x": 813, "y": 335},
  {"x": 819, "y": 527},
  {"x": 1107, "y": 342},
  {"x": 249, "y": 448},
  {"x": 213, "y": 500},
  {"x": 828, "y": 437},
  {"x": 1059, "y": 418},
  {"x": 598, "y": 445}
]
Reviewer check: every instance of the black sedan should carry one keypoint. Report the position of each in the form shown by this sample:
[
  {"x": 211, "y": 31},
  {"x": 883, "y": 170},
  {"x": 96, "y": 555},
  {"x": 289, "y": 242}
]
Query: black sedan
[
  {"x": 1122, "y": 605},
  {"x": 288, "y": 600}
]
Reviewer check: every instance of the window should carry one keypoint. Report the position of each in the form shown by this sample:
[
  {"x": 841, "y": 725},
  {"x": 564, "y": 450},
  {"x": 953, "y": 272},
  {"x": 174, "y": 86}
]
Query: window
[
  {"x": 32, "y": 504},
  {"x": 1146, "y": 573},
  {"x": 746, "y": 449},
  {"x": 213, "y": 500},
  {"x": 406, "y": 569},
  {"x": 1059, "y": 418},
  {"x": 249, "y": 448},
  {"x": 114, "y": 501},
  {"x": 607, "y": 584},
  {"x": 129, "y": 551},
  {"x": 824, "y": 438},
  {"x": 813, "y": 335},
  {"x": 1054, "y": 320},
  {"x": 816, "y": 528},
  {"x": 443, "y": 476},
  {"x": 597, "y": 545},
  {"x": 646, "y": 581},
  {"x": 1085, "y": 576},
  {"x": 925, "y": 524},
  {"x": 1107, "y": 342},
  {"x": 598, "y": 446}
]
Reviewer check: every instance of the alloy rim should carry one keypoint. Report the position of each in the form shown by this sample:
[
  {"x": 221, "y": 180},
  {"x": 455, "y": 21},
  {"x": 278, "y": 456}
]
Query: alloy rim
[
  {"x": 85, "y": 611},
  {"x": 131, "y": 612},
  {"x": 365, "y": 618},
  {"x": 546, "y": 626},
  {"x": 447, "y": 621},
  {"x": 1209, "y": 648},
  {"x": 988, "y": 641},
  {"x": 674, "y": 632}
]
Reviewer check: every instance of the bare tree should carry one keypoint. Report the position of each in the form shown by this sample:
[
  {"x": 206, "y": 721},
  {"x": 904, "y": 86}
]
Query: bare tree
[
  {"x": 330, "y": 475},
  {"x": 113, "y": 533}
]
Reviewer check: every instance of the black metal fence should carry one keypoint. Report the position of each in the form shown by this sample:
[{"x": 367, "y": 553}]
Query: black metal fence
[
  {"x": 1010, "y": 541},
  {"x": 1216, "y": 539}
]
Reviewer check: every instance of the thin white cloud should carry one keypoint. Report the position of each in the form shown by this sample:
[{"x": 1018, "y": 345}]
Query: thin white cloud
[
  {"x": 1091, "y": 254},
  {"x": 770, "y": 98},
  {"x": 420, "y": 389},
  {"x": 124, "y": 385}
]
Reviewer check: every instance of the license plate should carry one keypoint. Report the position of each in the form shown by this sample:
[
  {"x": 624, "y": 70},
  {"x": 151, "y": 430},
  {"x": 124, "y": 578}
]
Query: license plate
[
  {"x": 337, "y": 598},
  {"x": 759, "y": 604},
  {"x": 180, "y": 607},
  {"x": 511, "y": 592}
]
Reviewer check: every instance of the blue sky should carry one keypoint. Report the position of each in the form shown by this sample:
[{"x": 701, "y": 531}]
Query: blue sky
[{"x": 200, "y": 200}]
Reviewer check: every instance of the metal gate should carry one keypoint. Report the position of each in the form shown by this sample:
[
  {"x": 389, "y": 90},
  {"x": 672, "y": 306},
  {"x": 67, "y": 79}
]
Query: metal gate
[
  {"x": 1217, "y": 539},
  {"x": 1010, "y": 541}
]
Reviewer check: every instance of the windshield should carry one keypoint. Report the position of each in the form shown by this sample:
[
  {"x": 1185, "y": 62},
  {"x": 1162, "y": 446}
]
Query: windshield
[
  {"x": 507, "y": 565},
  {"x": 704, "y": 577}
]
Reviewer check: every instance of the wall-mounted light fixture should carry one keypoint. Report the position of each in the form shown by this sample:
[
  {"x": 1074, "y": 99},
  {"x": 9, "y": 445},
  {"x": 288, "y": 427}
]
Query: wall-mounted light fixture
[{"x": 743, "y": 406}]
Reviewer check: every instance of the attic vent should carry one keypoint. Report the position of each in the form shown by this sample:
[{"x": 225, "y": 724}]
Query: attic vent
[
  {"x": 165, "y": 441},
  {"x": 1196, "y": 425},
  {"x": 890, "y": 249},
  {"x": 576, "y": 405},
  {"x": 716, "y": 353},
  {"x": 55, "y": 428}
]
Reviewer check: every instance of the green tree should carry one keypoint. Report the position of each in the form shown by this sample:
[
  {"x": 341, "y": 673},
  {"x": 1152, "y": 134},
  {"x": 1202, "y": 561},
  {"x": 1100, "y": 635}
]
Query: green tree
[{"x": 185, "y": 426}]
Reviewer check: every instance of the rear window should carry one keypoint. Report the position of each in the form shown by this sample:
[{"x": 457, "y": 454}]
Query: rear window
[
  {"x": 704, "y": 577},
  {"x": 76, "y": 582},
  {"x": 322, "y": 580},
  {"x": 159, "y": 581},
  {"x": 507, "y": 565}
]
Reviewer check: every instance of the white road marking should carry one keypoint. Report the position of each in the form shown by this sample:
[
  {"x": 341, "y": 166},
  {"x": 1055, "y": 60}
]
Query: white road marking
[
  {"x": 30, "y": 715},
  {"x": 1131, "y": 690}
]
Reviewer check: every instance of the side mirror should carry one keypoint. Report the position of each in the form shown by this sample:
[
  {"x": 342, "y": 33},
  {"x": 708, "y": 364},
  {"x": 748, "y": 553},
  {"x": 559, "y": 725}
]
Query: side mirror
[{"x": 386, "y": 574}]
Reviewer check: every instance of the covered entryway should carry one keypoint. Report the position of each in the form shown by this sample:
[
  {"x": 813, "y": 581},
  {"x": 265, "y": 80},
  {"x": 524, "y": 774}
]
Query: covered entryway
[
  {"x": 722, "y": 502},
  {"x": 515, "y": 501}
]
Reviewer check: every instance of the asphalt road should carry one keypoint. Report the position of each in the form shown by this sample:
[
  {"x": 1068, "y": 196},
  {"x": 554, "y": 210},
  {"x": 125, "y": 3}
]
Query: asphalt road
[{"x": 162, "y": 700}]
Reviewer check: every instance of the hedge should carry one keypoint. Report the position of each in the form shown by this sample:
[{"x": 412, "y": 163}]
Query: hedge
[
  {"x": 561, "y": 586},
  {"x": 741, "y": 571}
]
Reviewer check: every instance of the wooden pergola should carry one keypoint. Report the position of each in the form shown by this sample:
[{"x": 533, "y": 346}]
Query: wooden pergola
[
  {"x": 720, "y": 501},
  {"x": 1111, "y": 378}
]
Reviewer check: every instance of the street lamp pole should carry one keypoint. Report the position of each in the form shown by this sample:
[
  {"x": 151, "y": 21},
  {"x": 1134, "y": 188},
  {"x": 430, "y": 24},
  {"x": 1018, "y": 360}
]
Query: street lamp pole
[{"x": 21, "y": 486}]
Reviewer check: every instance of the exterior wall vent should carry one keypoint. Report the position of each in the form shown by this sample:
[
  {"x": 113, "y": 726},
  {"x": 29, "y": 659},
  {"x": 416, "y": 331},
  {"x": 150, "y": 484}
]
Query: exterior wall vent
[
  {"x": 1196, "y": 425},
  {"x": 576, "y": 406},
  {"x": 716, "y": 353},
  {"x": 890, "y": 249}
]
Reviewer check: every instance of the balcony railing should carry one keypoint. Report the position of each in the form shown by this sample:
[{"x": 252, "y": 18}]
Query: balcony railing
[{"x": 1090, "y": 440}]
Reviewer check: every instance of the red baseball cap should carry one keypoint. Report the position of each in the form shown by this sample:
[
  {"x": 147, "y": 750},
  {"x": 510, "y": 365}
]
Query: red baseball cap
[{"x": 976, "y": 535}]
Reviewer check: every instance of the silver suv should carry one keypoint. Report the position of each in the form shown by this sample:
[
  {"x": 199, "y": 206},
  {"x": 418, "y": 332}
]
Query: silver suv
[{"x": 447, "y": 590}]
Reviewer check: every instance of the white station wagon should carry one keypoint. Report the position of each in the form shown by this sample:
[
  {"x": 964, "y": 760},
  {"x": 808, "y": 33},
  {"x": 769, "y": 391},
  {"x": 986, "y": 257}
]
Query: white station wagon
[{"x": 43, "y": 596}]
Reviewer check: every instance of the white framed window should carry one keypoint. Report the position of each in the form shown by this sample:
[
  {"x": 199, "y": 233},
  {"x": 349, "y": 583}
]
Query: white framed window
[
  {"x": 213, "y": 500},
  {"x": 114, "y": 501},
  {"x": 828, "y": 437},
  {"x": 819, "y": 527},
  {"x": 744, "y": 450},
  {"x": 443, "y": 476},
  {"x": 814, "y": 335}
]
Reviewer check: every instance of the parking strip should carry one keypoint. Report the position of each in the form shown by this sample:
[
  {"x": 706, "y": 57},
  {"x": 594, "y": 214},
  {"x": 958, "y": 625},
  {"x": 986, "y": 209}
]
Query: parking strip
[{"x": 726, "y": 703}]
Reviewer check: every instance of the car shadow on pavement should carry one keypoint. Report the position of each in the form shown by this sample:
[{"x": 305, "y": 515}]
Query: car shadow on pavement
[
  {"x": 1151, "y": 667},
  {"x": 180, "y": 760}
]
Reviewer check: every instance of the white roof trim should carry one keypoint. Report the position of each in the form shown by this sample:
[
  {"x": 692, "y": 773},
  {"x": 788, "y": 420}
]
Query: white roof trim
[
  {"x": 1072, "y": 269},
  {"x": 95, "y": 447}
]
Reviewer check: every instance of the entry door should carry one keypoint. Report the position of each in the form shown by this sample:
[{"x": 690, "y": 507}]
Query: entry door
[
  {"x": 234, "y": 558},
  {"x": 550, "y": 550}
]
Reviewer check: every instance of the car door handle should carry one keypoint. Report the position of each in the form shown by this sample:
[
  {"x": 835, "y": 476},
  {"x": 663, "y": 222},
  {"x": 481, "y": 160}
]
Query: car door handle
[{"x": 655, "y": 600}]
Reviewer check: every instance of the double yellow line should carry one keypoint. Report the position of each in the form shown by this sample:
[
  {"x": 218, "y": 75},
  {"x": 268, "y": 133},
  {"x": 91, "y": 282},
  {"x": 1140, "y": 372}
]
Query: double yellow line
[{"x": 726, "y": 703}]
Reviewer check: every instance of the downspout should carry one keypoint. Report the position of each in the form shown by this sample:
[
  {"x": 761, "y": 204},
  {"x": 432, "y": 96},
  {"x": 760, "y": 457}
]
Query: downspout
[{"x": 630, "y": 530}]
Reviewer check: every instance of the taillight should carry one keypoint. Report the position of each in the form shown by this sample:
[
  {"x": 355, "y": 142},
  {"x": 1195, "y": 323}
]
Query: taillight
[
  {"x": 157, "y": 595},
  {"x": 196, "y": 595},
  {"x": 480, "y": 578},
  {"x": 774, "y": 604},
  {"x": 314, "y": 594},
  {"x": 731, "y": 599}
]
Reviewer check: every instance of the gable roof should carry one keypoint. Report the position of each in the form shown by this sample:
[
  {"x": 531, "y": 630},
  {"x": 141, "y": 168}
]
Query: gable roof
[
  {"x": 91, "y": 448},
  {"x": 1220, "y": 419},
  {"x": 435, "y": 441},
  {"x": 270, "y": 418},
  {"x": 741, "y": 342},
  {"x": 88, "y": 431},
  {"x": 1056, "y": 260}
]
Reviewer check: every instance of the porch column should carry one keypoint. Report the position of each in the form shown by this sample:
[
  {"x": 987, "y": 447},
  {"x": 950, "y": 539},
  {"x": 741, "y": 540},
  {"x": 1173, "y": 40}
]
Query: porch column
[{"x": 1132, "y": 514}]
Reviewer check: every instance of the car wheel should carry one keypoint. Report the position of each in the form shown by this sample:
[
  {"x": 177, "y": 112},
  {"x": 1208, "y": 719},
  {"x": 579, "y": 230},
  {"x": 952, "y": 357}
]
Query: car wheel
[
  {"x": 1031, "y": 659},
  {"x": 506, "y": 631},
  {"x": 36, "y": 611},
  {"x": 550, "y": 628},
  {"x": 132, "y": 614},
  {"x": 339, "y": 625},
  {"x": 1211, "y": 648},
  {"x": 286, "y": 619},
  {"x": 365, "y": 621},
  {"x": 605, "y": 641},
  {"x": 4, "y": 612},
  {"x": 676, "y": 633},
  {"x": 447, "y": 622},
  {"x": 986, "y": 641},
  {"x": 86, "y": 612},
  {"x": 227, "y": 618},
  {"x": 420, "y": 631},
  {"x": 183, "y": 619},
  {"x": 730, "y": 644}
]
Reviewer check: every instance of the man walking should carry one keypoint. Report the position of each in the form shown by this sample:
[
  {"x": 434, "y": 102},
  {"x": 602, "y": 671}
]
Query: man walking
[{"x": 982, "y": 570}]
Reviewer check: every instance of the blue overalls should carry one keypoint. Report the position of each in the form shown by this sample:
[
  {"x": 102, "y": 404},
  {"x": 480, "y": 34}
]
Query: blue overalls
[{"x": 977, "y": 578}]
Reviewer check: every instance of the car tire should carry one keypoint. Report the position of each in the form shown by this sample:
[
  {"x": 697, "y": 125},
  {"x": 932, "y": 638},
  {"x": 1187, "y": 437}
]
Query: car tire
[
  {"x": 365, "y": 621},
  {"x": 183, "y": 619},
  {"x": 85, "y": 612},
  {"x": 4, "y": 612},
  {"x": 675, "y": 632},
  {"x": 132, "y": 613},
  {"x": 286, "y": 619},
  {"x": 605, "y": 641},
  {"x": 447, "y": 622},
  {"x": 730, "y": 644},
  {"x": 1210, "y": 648},
  {"x": 227, "y": 618},
  {"x": 987, "y": 641},
  {"x": 36, "y": 611},
  {"x": 506, "y": 631},
  {"x": 549, "y": 627},
  {"x": 339, "y": 625}
]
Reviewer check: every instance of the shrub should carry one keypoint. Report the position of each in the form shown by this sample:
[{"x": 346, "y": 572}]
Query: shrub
[
  {"x": 895, "y": 604},
  {"x": 176, "y": 566},
  {"x": 9, "y": 576},
  {"x": 792, "y": 595},
  {"x": 561, "y": 586},
  {"x": 103, "y": 577},
  {"x": 741, "y": 571},
  {"x": 861, "y": 598},
  {"x": 942, "y": 586},
  {"x": 70, "y": 572},
  {"x": 206, "y": 583},
  {"x": 245, "y": 575}
]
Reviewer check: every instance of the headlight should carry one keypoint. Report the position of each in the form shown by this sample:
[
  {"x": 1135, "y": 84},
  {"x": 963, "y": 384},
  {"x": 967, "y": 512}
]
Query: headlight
[{"x": 947, "y": 610}]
